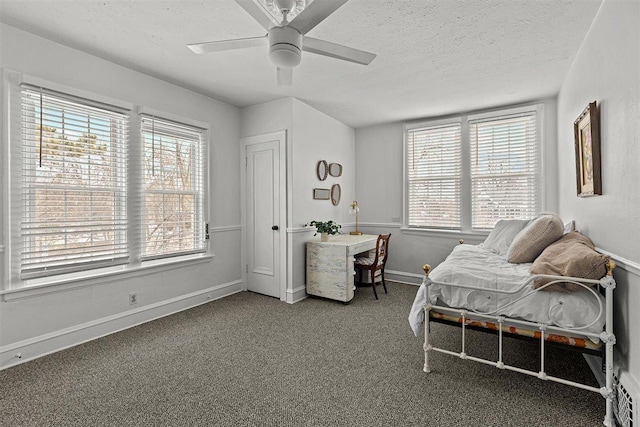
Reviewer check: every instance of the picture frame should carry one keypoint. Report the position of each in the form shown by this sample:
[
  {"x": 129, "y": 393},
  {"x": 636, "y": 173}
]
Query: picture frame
[
  {"x": 335, "y": 169},
  {"x": 322, "y": 170},
  {"x": 321, "y": 194},
  {"x": 586, "y": 130},
  {"x": 336, "y": 194}
]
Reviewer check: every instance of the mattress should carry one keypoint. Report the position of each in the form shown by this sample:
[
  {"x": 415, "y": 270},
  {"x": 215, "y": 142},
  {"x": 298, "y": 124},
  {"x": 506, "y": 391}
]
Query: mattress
[{"x": 472, "y": 265}]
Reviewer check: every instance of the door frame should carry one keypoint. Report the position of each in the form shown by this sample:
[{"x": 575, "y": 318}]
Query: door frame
[{"x": 281, "y": 136}]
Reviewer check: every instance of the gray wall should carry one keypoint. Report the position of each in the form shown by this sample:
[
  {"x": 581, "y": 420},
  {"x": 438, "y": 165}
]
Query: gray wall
[
  {"x": 607, "y": 70},
  {"x": 37, "y": 321},
  {"x": 311, "y": 136}
]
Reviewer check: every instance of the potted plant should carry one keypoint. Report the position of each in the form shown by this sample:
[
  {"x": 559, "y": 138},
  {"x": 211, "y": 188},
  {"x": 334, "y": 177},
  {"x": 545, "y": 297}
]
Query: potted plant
[{"x": 325, "y": 229}]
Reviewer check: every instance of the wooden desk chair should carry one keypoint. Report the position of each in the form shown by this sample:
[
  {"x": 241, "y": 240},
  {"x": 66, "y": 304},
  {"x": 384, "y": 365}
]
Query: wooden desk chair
[{"x": 375, "y": 265}]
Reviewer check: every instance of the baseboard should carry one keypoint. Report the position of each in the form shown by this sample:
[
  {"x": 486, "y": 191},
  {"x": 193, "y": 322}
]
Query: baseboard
[
  {"x": 404, "y": 277},
  {"x": 296, "y": 294},
  {"x": 33, "y": 348}
]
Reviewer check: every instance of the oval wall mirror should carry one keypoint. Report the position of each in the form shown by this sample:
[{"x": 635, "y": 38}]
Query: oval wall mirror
[
  {"x": 335, "y": 169},
  {"x": 322, "y": 170},
  {"x": 335, "y": 194}
]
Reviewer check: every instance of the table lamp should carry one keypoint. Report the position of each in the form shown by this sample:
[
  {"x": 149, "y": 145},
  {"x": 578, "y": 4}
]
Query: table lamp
[{"x": 354, "y": 209}]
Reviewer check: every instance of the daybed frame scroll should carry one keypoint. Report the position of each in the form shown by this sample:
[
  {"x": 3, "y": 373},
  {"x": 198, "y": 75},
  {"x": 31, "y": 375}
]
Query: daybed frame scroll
[{"x": 543, "y": 330}]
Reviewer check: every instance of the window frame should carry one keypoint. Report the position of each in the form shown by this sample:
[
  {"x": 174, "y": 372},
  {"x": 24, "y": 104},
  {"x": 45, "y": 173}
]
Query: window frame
[
  {"x": 199, "y": 194},
  {"x": 68, "y": 106},
  {"x": 466, "y": 203},
  {"x": 406, "y": 199},
  {"x": 16, "y": 287}
]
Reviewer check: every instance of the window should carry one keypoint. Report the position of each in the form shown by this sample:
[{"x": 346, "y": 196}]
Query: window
[
  {"x": 504, "y": 168},
  {"x": 172, "y": 189},
  {"x": 73, "y": 185},
  {"x": 433, "y": 173},
  {"x": 493, "y": 157},
  {"x": 87, "y": 198}
]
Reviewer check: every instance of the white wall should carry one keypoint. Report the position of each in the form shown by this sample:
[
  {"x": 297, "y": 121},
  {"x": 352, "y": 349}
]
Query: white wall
[
  {"x": 318, "y": 137},
  {"x": 379, "y": 186},
  {"x": 311, "y": 136},
  {"x": 33, "y": 323},
  {"x": 607, "y": 70}
]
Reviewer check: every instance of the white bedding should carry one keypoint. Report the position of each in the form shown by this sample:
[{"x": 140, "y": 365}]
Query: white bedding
[{"x": 475, "y": 266}]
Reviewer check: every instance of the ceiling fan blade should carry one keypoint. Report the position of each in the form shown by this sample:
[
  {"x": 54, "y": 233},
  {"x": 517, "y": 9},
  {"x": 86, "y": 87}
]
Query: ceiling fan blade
[
  {"x": 285, "y": 76},
  {"x": 259, "y": 13},
  {"x": 334, "y": 50},
  {"x": 221, "y": 45},
  {"x": 315, "y": 13}
]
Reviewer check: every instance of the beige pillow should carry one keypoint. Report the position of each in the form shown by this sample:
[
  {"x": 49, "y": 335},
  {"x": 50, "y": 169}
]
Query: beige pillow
[
  {"x": 531, "y": 241},
  {"x": 572, "y": 255}
]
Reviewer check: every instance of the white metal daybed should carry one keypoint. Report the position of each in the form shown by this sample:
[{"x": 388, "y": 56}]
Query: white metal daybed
[{"x": 477, "y": 288}]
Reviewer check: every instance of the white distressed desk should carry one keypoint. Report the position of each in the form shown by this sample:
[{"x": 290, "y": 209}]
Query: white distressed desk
[{"x": 330, "y": 272}]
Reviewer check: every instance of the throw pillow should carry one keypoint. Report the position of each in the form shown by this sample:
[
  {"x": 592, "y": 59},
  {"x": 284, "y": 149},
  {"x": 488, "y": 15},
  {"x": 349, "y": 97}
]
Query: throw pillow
[
  {"x": 531, "y": 241},
  {"x": 572, "y": 255},
  {"x": 503, "y": 233}
]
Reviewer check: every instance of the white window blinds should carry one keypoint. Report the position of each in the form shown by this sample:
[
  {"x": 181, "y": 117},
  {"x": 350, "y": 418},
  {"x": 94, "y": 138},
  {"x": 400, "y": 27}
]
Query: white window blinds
[
  {"x": 504, "y": 168},
  {"x": 73, "y": 184},
  {"x": 433, "y": 174},
  {"x": 173, "y": 193}
]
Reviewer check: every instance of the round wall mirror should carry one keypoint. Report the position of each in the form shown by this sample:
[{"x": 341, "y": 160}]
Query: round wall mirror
[
  {"x": 322, "y": 169},
  {"x": 335, "y": 169},
  {"x": 335, "y": 194}
]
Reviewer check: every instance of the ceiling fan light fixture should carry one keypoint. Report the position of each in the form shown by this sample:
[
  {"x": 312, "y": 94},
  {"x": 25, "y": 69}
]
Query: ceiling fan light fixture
[
  {"x": 285, "y": 56},
  {"x": 285, "y": 46}
]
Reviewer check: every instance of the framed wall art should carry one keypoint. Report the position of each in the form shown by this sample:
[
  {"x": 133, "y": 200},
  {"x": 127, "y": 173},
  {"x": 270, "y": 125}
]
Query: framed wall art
[
  {"x": 587, "y": 144},
  {"x": 322, "y": 170},
  {"x": 321, "y": 194}
]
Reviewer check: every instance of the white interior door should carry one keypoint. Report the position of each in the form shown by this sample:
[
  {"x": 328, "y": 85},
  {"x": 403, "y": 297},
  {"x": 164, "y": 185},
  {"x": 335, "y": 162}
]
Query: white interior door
[{"x": 263, "y": 213}]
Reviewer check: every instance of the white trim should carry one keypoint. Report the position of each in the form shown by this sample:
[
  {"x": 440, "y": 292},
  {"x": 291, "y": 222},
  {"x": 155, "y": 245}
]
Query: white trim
[
  {"x": 406, "y": 278},
  {"x": 623, "y": 263},
  {"x": 454, "y": 234},
  {"x": 296, "y": 294},
  {"x": 381, "y": 224},
  {"x": 225, "y": 228},
  {"x": 300, "y": 229},
  {"x": 42, "y": 345},
  {"x": 140, "y": 110},
  {"x": 101, "y": 279},
  {"x": 504, "y": 112},
  {"x": 429, "y": 123},
  {"x": 93, "y": 96}
]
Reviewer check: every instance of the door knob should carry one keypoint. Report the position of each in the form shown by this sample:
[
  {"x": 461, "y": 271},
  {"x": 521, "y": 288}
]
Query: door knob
[{"x": 275, "y": 228}]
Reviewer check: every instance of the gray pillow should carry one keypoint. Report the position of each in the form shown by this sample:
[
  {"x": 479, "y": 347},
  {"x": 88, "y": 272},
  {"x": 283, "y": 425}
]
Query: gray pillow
[
  {"x": 531, "y": 241},
  {"x": 503, "y": 233}
]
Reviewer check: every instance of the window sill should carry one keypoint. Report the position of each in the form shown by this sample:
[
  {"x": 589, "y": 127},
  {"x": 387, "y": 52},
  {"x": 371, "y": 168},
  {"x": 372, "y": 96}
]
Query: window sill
[
  {"x": 92, "y": 278},
  {"x": 451, "y": 234}
]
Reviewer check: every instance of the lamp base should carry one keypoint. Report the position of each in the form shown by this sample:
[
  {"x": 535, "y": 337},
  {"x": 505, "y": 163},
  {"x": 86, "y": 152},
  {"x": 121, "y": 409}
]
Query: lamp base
[{"x": 356, "y": 233}]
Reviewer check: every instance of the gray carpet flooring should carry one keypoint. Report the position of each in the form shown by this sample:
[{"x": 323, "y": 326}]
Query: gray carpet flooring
[{"x": 251, "y": 360}]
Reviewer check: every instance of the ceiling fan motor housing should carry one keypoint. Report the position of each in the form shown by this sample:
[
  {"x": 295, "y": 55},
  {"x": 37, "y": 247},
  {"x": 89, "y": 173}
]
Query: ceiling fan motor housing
[{"x": 285, "y": 46}]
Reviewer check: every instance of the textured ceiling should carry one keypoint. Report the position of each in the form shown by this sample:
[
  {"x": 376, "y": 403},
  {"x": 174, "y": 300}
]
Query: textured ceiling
[{"x": 435, "y": 57}]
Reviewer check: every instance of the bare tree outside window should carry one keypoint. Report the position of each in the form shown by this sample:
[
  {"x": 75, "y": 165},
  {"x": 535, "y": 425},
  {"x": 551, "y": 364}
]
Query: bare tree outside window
[{"x": 172, "y": 188}]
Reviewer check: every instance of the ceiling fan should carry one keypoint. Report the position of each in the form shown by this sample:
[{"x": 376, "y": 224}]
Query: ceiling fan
[{"x": 287, "y": 40}]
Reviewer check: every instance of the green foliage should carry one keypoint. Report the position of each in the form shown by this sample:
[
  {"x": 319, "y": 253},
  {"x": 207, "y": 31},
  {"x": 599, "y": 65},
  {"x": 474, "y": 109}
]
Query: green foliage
[{"x": 328, "y": 227}]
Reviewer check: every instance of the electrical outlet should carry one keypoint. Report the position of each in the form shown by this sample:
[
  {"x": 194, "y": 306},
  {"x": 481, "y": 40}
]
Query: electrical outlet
[{"x": 133, "y": 298}]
